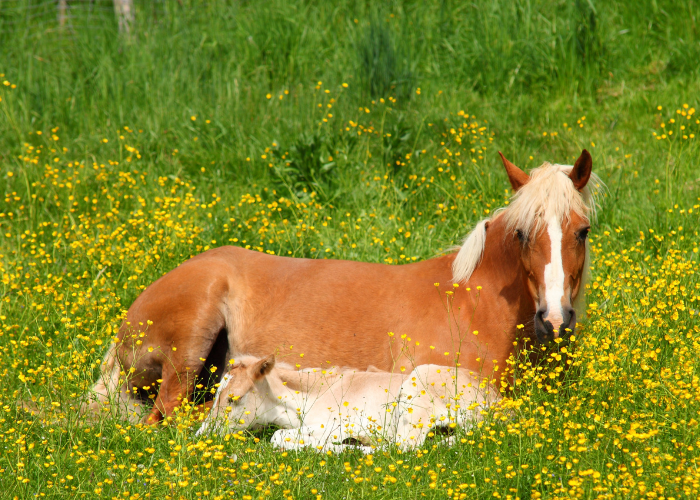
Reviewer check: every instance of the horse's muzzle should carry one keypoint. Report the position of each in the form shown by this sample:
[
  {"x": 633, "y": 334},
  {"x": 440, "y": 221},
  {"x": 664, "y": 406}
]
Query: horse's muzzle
[{"x": 545, "y": 330}]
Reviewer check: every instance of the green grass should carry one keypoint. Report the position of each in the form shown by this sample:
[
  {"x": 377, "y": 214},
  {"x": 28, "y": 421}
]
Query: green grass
[{"x": 155, "y": 187}]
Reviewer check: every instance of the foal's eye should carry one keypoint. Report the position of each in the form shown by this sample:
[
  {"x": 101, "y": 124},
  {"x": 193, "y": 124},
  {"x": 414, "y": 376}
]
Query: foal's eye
[
  {"x": 583, "y": 234},
  {"x": 520, "y": 235}
]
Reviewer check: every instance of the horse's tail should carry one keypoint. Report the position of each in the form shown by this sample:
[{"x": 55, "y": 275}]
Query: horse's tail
[
  {"x": 109, "y": 393},
  {"x": 108, "y": 381}
]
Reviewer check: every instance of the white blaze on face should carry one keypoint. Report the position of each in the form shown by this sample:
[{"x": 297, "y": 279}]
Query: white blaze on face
[
  {"x": 222, "y": 385},
  {"x": 554, "y": 275}
]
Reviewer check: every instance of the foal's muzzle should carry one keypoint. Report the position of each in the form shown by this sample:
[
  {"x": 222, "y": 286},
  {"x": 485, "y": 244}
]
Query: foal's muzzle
[{"x": 545, "y": 330}]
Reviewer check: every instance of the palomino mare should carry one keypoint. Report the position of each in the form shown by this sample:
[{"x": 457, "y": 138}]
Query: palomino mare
[
  {"x": 324, "y": 408},
  {"x": 522, "y": 266}
]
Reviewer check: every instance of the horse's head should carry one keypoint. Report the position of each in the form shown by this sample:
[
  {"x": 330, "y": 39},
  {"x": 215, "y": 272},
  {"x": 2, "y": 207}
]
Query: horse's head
[
  {"x": 241, "y": 397},
  {"x": 548, "y": 219}
]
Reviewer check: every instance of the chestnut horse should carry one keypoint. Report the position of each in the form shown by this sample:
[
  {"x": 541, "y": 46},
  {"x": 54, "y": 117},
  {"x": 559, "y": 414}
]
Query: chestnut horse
[{"x": 523, "y": 266}]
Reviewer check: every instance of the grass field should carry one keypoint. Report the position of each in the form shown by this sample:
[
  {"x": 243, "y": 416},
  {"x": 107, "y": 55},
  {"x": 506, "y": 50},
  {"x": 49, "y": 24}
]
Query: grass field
[{"x": 341, "y": 130}]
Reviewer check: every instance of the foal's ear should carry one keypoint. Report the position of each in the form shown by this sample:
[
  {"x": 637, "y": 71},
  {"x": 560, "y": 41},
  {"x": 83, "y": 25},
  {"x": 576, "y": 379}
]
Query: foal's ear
[
  {"x": 582, "y": 170},
  {"x": 262, "y": 367},
  {"x": 517, "y": 177}
]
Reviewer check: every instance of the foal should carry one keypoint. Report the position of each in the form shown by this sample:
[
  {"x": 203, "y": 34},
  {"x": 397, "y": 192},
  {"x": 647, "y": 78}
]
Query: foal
[
  {"x": 325, "y": 409},
  {"x": 342, "y": 403}
]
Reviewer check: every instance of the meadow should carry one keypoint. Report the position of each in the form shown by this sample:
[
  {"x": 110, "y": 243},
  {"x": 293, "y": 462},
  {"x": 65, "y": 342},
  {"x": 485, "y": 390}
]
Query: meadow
[{"x": 343, "y": 130}]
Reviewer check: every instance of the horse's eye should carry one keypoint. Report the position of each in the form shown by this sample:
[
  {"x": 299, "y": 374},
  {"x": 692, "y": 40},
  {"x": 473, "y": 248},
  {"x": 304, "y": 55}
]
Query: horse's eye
[
  {"x": 520, "y": 235},
  {"x": 583, "y": 234}
]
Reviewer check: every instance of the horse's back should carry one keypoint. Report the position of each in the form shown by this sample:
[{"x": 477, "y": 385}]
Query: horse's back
[{"x": 329, "y": 311}]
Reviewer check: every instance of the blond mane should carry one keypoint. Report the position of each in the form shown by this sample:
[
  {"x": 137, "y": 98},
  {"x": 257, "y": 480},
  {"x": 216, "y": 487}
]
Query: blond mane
[{"x": 549, "y": 193}]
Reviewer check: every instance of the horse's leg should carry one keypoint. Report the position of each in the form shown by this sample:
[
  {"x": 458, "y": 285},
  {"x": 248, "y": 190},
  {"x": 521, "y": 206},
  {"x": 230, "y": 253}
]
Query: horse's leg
[
  {"x": 175, "y": 350},
  {"x": 179, "y": 374},
  {"x": 107, "y": 384},
  {"x": 167, "y": 399},
  {"x": 176, "y": 385}
]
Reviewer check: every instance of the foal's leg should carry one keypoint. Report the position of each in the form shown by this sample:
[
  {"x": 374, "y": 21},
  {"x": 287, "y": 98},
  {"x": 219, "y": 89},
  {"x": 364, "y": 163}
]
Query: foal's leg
[
  {"x": 293, "y": 439},
  {"x": 285, "y": 439},
  {"x": 413, "y": 427},
  {"x": 316, "y": 436}
]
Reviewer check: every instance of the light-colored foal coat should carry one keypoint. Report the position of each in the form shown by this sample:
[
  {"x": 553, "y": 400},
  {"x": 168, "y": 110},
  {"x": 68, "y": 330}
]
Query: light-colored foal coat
[{"x": 326, "y": 408}]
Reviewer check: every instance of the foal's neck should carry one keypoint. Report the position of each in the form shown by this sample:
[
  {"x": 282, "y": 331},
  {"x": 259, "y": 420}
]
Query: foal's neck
[
  {"x": 283, "y": 400},
  {"x": 295, "y": 392},
  {"x": 291, "y": 391}
]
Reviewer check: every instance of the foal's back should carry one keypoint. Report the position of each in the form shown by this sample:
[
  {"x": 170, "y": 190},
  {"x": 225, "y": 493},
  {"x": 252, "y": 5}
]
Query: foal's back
[{"x": 342, "y": 390}]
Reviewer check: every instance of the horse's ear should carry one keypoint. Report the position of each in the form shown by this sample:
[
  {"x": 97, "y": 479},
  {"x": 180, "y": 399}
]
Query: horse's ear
[
  {"x": 517, "y": 177},
  {"x": 263, "y": 367},
  {"x": 582, "y": 170}
]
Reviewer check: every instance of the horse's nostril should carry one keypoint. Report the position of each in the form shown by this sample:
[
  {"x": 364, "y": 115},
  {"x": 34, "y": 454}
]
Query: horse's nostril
[
  {"x": 569, "y": 323},
  {"x": 543, "y": 328},
  {"x": 539, "y": 316},
  {"x": 569, "y": 317}
]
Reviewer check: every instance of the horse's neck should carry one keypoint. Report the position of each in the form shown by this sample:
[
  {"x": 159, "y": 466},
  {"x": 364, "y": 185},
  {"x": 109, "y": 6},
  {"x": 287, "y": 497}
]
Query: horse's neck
[
  {"x": 501, "y": 258},
  {"x": 501, "y": 269}
]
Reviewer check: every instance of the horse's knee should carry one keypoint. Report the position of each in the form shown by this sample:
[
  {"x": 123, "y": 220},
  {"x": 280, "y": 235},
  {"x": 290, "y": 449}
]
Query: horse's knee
[{"x": 154, "y": 416}]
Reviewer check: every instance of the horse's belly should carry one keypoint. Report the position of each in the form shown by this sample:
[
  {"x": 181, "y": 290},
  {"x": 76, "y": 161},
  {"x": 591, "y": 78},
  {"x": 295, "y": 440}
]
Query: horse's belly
[{"x": 331, "y": 345}]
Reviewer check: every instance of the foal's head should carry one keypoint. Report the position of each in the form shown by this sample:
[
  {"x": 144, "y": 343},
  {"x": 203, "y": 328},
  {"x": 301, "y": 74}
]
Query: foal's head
[
  {"x": 242, "y": 395},
  {"x": 548, "y": 218}
]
